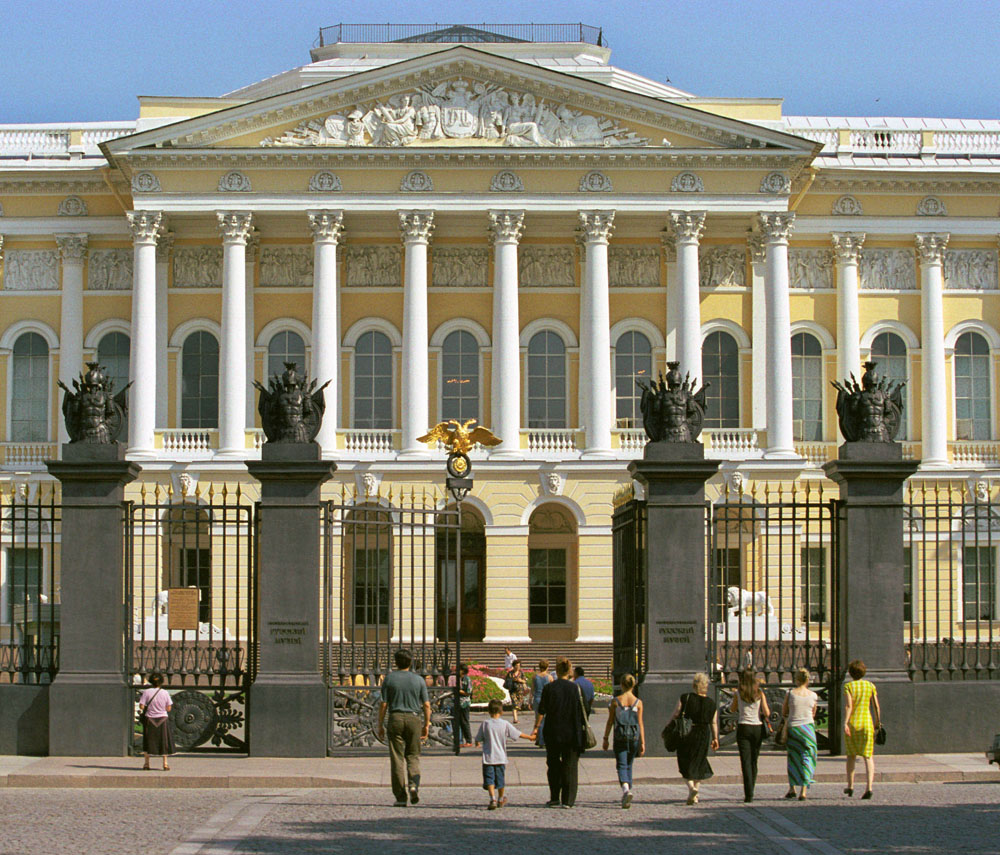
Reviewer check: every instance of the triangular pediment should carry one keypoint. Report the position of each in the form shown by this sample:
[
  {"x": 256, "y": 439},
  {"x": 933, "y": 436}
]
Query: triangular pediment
[{"x": 462, "y": 97}]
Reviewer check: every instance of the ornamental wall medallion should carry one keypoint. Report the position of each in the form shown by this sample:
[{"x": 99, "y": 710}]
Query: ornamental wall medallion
[
  {"x": 884, "y": 269},
  {"x": 460, "y": 267},
  {"x": 72, "y": 206},
  {"x": 931, "y": 206},
  {"x": 373, "y": 266},
  {"x": 198, "y": 267},
  {"x": 546, "y": 266},
  {"x": 847, "y": 206},
  {"x": 459, "y": 111},
  {"x": 687, "y": 182},
  {"x": 506, "y": 181},
  {"x": 31, "y": 270},
  {"x": 721, "y": 266},
  {"x": 595, "y": 182},
  {"x": 634, "y": 266},
  {"x": 286, "y": 266},
  {"x": 145, "y": 182},
  {"x": 810, "y": 268},
  {"x": 971, "y": 269},
  {"x": 416, "y": 181},
  {"x": 109, "y": 270},
  {"x": 776, "y": 182},
  {"x": 234, "y": 182},
  {"x": 325, "y": 182}
]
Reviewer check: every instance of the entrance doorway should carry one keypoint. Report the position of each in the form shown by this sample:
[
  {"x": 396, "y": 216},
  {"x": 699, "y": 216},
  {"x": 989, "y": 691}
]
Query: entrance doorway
[{"x": 472, "y": 583}]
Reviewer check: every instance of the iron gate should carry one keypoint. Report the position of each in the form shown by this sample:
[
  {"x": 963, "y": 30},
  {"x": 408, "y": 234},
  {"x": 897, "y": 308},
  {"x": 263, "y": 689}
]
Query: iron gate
[
  {"x": 628, "y": 534},
  {"x": 190, "y": 596}
]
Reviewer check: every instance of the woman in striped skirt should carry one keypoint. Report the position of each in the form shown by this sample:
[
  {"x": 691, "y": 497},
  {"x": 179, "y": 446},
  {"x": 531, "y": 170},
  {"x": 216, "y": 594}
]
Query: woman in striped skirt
[{"x": 799, "y": 711}]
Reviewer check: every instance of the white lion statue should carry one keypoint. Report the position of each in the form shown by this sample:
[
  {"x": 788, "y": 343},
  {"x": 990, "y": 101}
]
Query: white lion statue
[{"x": 743, "y": 602}]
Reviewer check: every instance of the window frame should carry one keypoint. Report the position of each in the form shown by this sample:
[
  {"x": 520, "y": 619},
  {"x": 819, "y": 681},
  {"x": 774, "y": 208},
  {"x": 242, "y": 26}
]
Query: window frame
[
  {"x": 991, "y": 384},
  {"x": 546, "y": 330},
  {"x": 992, "y": 583},
  {"x": 797, "y": 435},
  {"x": 302, "y": 364},
  {"x": 634, "y": 396},
  {"x": 49, "y": 385},
  {"x": 180, "y": 377},
  {"x": 739, "y": 386},
  {"x": 460, "y": 331},
  {"x": 373, "y": 330}
]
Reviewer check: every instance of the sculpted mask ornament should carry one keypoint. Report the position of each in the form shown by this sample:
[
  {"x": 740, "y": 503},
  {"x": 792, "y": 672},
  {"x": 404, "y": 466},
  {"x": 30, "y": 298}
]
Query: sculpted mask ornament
[
  {"x": 982, "y": 490},
  {"x": 871, "y": 411},
  {"x": 554, "y": 482},
  {"x": 187, "y": 484},
  {"x": 672, "y": 411},
  {"x": 93, "y": 413},
  {"x": 369, "y": 483},
  {"x": 291, "y": 409}
]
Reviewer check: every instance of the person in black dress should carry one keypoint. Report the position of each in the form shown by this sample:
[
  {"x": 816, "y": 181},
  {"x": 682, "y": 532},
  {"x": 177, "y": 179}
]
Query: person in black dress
[
  {"x": 560, "y": 715},
  {"x": 692, "y": 753}
]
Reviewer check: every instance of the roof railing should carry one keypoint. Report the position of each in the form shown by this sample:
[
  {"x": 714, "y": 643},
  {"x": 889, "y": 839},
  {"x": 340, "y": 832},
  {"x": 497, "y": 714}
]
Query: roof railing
[{"x": 458, "y": 33}]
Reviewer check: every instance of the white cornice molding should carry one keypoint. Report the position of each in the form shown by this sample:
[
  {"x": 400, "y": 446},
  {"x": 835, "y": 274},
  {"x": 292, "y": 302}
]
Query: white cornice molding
[
  {"x": 905, "y": 226},
  {"x": 42, "y": 185},
  {"x": 113, "y": 226},
  {"x": 892, "y": 183}
]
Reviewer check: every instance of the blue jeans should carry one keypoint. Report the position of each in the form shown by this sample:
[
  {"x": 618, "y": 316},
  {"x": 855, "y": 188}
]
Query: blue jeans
[{"x": 624, "y": 755}]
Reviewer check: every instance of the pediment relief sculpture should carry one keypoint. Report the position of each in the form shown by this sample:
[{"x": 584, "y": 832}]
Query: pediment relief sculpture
[
  {"x": 883, "y": 269},
  {"x": 461, "y": 267},
  {"x": 722, "y": 266},
  {"x": 459, "y": 111}
]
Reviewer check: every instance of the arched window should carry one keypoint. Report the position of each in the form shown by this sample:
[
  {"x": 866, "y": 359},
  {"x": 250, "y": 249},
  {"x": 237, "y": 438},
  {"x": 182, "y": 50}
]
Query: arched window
[
  {"x": 29, "y": 399},
  {"x": 460, "y": 376},
  {"x": 546, "y": 381},
  {"x": 973, "y": 396},
  {"x": 200, "y": 381},
  {"x": 633, "y": 359},
  {"x": 889, "y": 351},
  {"x": 373, "y": 381},
  {"x": 720, "y": 367},
  {"x": 807, "y": 388},
  {"x": 113, "y": 354},
  {"x": 285, "y": 347}
]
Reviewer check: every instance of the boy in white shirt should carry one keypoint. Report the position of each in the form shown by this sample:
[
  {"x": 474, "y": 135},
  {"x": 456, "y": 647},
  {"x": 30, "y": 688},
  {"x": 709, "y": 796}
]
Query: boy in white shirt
[{"x": 493, "y": 735}]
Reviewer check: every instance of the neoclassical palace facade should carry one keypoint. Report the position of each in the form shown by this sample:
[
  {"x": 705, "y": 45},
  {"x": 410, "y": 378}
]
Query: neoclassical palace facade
[{"x": 462, "y": 225}]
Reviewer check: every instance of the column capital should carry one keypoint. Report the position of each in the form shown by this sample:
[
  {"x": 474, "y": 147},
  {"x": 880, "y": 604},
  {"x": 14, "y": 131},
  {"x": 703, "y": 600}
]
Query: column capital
[
  {"x": 253, "y": 244},
  {"x": 165, "y": 246},
  {"x": 235, "y": 226},
  {"x": 326, "y": 226},
  {"x": 776, "y": 226},
  {"x": 506, "y": 226},
  {"x": 687, "y": 226},
  {"x": 931, "y": 246},
  {"x": 755, "y": 245},
  {"x": 72, "y": 247},
  {"x": 145, "y": 226},
  {"x": 669, "y": 244},
  {"x": 596, "y": 226},
  {"x": 416, "y": 226},
  {"x": 847, "y": 245}
]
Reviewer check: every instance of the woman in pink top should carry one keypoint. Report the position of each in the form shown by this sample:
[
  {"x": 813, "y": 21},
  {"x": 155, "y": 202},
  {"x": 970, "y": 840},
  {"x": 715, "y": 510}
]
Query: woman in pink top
[{"x": 154, "y": 708}]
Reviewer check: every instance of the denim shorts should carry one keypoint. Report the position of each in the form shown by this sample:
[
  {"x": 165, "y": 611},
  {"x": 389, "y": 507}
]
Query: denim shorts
[{"x": 493, "y": 775}]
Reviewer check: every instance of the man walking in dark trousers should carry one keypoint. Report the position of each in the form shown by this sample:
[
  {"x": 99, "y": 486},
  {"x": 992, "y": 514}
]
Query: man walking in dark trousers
[
  {"x": 405, "y": 699},
  {"x": 560, "y": 714},
  {"x": 586, "y": 687}
]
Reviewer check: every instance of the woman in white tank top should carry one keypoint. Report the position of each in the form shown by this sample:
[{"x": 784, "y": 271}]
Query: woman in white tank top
[{"x": 751, "y": 705}]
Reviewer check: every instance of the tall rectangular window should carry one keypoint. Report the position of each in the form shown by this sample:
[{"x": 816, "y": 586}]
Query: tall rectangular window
[
  {"x": 547, "y": 586},
  {"x": 371, "y": 587},
  {"x": 979, "y": 583},
  {"x": 815, "y": 584}
]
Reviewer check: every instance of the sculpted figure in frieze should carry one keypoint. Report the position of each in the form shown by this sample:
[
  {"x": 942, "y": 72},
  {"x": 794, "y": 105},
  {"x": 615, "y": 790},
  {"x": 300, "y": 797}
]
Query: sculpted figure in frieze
[
  {"x": 546, "y": 265},
  {"x": 459, "y": 110},
  {"x": 971, "y": 269},
  {"x": 810, "y": 268},
  {"x": 373, "y": 266},
  {"x": 722, "y": 265},
  {"x": 287, "y": 266},
  {"x": 198, "y": 267},
  {"x": 31, "y": 270},
  {"x": 883, "y": 269},
  {"x": 635, "y": 266},
  {"x": 109, "y": 270},
  {"x": 461, "y": 267}
]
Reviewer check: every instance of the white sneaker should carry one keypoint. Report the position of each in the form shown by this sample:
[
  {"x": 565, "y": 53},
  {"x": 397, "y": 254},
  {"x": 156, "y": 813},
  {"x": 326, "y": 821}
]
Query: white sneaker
[{"x": 626, "y": 800}]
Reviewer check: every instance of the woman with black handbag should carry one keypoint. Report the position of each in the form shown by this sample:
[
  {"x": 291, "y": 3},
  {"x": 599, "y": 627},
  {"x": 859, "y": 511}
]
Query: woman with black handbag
[
  {"x": 154, "y": 710},
  {"x": 697, "y": 726}
]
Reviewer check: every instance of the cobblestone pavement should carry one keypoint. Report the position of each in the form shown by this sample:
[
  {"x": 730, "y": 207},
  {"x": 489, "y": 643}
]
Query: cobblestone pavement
[{"x": 924, "y": 819}]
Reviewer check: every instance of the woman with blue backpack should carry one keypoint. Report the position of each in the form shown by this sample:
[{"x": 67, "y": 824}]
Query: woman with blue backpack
[{"x": 625, "y": 721}]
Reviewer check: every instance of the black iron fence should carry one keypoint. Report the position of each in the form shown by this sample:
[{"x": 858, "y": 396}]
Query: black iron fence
[
  {"x": 628, "y": 533},
  {"x": 450, "y": 33}
]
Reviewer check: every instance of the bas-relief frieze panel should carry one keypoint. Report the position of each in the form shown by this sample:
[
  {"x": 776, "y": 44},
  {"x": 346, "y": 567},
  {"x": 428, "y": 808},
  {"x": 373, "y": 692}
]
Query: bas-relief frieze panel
[
  {"x": 373, "y": 266},
  {"x": 722, "y": 266},
  {"x": 459, "y": 110},
  {"x": 634, "y": 266},
  {"x": 551, "y": 266},
  {"x": 810, "y": 268},
  {"x": 198, "y": 267},
  {"x": 971, "y": 269},
  {"x": 460, "y": 267},
  {"x": 109, "y": 270},
  {"x": 888, "y": 269},
  {"x": 286, "y": 266},
  {"x": 31, "y": 270}
]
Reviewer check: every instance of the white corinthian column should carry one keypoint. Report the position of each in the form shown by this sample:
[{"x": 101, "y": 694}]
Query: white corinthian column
[
  {"x": 145, "y": 227},
  {"x": 235, "y": 228},
  {"x": 933, "y": 395},
  {"x": 327, "y": 227},
  {"x": 687, "y": 227},
  {"x": 775, "y": 229},
  {"x": 164, "y": 248},
  {"x": 415, "y": 228},
  {"x": 847, "y": 246},
  {"x": 595, "y": 335},
  {"x": 73, "y": 249},
  {"x": 506, "y": 228}
]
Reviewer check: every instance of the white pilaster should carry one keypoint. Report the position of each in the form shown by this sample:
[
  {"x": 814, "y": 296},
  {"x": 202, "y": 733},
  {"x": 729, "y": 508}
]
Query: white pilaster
[
  {"x": 847, "y": 247},
  {"x": 670, "y": 262},
  {"x": 415, "y": 228},
  {"x": 252, "y": 248},
  {"x": 506, "y": 228},
  {"x": 775, "y": 229},
  {"x": 758, "y": 366},
  {"x": 164, "y": 248},
  {"x": 687, "y": 227},
  {"x": 933, "y": 395},
  {"x": 235, "y": 228},
  {"x": 327, "y": 227},
  {"x": 145, "y": 227},
  {"x": 73, "y": 249},
  {"x": 596, "y": 412}
]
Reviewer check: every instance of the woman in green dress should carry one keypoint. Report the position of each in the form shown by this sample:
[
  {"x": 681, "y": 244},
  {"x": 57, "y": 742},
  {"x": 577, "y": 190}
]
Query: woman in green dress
[{"x": 859, "y": 729}]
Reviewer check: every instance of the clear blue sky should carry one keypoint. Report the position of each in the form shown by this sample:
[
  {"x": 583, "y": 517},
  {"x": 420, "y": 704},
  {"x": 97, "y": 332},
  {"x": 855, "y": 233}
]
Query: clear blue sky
[{"x": 86, "y": 61}]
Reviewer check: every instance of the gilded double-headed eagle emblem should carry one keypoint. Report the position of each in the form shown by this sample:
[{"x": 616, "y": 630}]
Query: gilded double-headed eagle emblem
[{"x": 460, "y": 438}]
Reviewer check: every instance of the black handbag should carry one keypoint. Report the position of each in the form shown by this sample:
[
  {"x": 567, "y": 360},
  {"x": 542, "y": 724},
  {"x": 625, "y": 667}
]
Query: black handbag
[
  {"x": 676, "y": 730},
  {"x": 880, "y": 736},
  {"x": 143, "y": 718}
]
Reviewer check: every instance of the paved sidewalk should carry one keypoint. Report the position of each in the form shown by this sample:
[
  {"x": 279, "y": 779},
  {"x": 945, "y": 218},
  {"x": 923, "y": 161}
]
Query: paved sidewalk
[{"x": 371, "y": 769}]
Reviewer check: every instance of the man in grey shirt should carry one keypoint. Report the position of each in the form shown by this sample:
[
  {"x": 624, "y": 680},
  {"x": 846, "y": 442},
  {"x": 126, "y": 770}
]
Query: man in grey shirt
[{"x": 404, "y": 698}]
